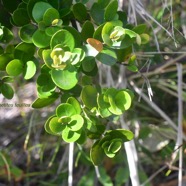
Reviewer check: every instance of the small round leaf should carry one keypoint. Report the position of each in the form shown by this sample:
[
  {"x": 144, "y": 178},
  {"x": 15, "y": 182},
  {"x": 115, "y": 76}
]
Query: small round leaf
[
  {"x": 64, "y": 110},
  {"x": 65, "y": 79},
  {"x": 29, "y": 70},
  {"x": 70, "y": 136},
  {"x": 15, "y": 67},
  {"x": 39, "y": 9},
  {"x": 7, "y": 91}
]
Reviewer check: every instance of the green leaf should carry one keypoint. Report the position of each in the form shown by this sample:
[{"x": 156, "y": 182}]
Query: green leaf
[
  {"x": 7, "y": 79},
  {"x": 50, "y": 15},
  {"x": 10, "y": 5},
  {"x": 80, "y": 12},
  {"x": 89, "y": 96},
  {"x": 110, "y": 95},
  {"x": 97, "y": 13},
  {"x": 15, "y": 67},
  {"x": 43, "y": 102},
  {"x": 65, "y": 110},
  {"x": 4, "y": 60},
  {"x": 65, "y": 79},
  {"x": 124, "y": 135},
  {"x": 47, "y": 128},
  {"x": 1, "y": 33},
  {"x": 76, "y": 122},
  {"x": 77, "y": 55},
  {"x": 74, "y": 102},
  {"x": 111, "y": 11},
  {"x": 87, "y": 30},
  {"x": 70, "y": 136},
  {"x": 97, "y": 34},
  {"x": 39, "y": 9},
  {"x": 144, "y": 38},
  {"x": 97, "y": 153},
  {"x": 7, "y": 35},
  {"x": 88, "y": 64},
  {"x": 7, "y": 91},
  {"x": 47, "y": 58},
  {"x": 20, "y": 17},
  {"x": 115, "y": 145},
  {"x": 122, "y": 176},
  {"x": 26, "y": 32},
  {"x": 29, "y": 70},
  {"x": 107, "y": 57},
  {"x": 76, "y": 35},
  {"x": 50, "y": 31},
  {"x": 140, "y": 29},
  {"x": 132, "y": 68},
  {"x": 41, "y": 39},
  {"x": 45, "y": 85},
  {"x": 55, "y": 126},
  {"x": 123, "y": 100},
  {"x": 63, "y": 37},
  {"x": 104, "y": 178},
  {"x": 130, "y": 33},
  {"x": 24, "y": 51},
  {"x": 82, "y": 138}
]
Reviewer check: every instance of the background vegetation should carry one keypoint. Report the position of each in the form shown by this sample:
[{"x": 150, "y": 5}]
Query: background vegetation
[{"x": 30, "y": 156}]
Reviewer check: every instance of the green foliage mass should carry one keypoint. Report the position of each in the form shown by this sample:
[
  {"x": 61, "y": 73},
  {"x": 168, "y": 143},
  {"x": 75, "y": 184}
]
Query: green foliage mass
[{"x": 66, "y": 56}]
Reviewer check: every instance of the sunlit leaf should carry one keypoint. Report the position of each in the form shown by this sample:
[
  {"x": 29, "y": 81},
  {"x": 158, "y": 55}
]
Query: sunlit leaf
[
  {"x": 15, "y": 67},
  {"x": 65, "y": 79},
  {"x": 70, "y": 136}
]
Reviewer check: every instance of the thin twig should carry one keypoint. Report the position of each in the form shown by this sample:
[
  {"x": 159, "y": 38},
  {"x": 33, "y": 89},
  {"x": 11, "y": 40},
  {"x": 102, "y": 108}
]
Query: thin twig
[
  {"x": 70, "y": 164},
  {"x": 180, "y": 119},
  {"x": 132, "y": 158}
]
